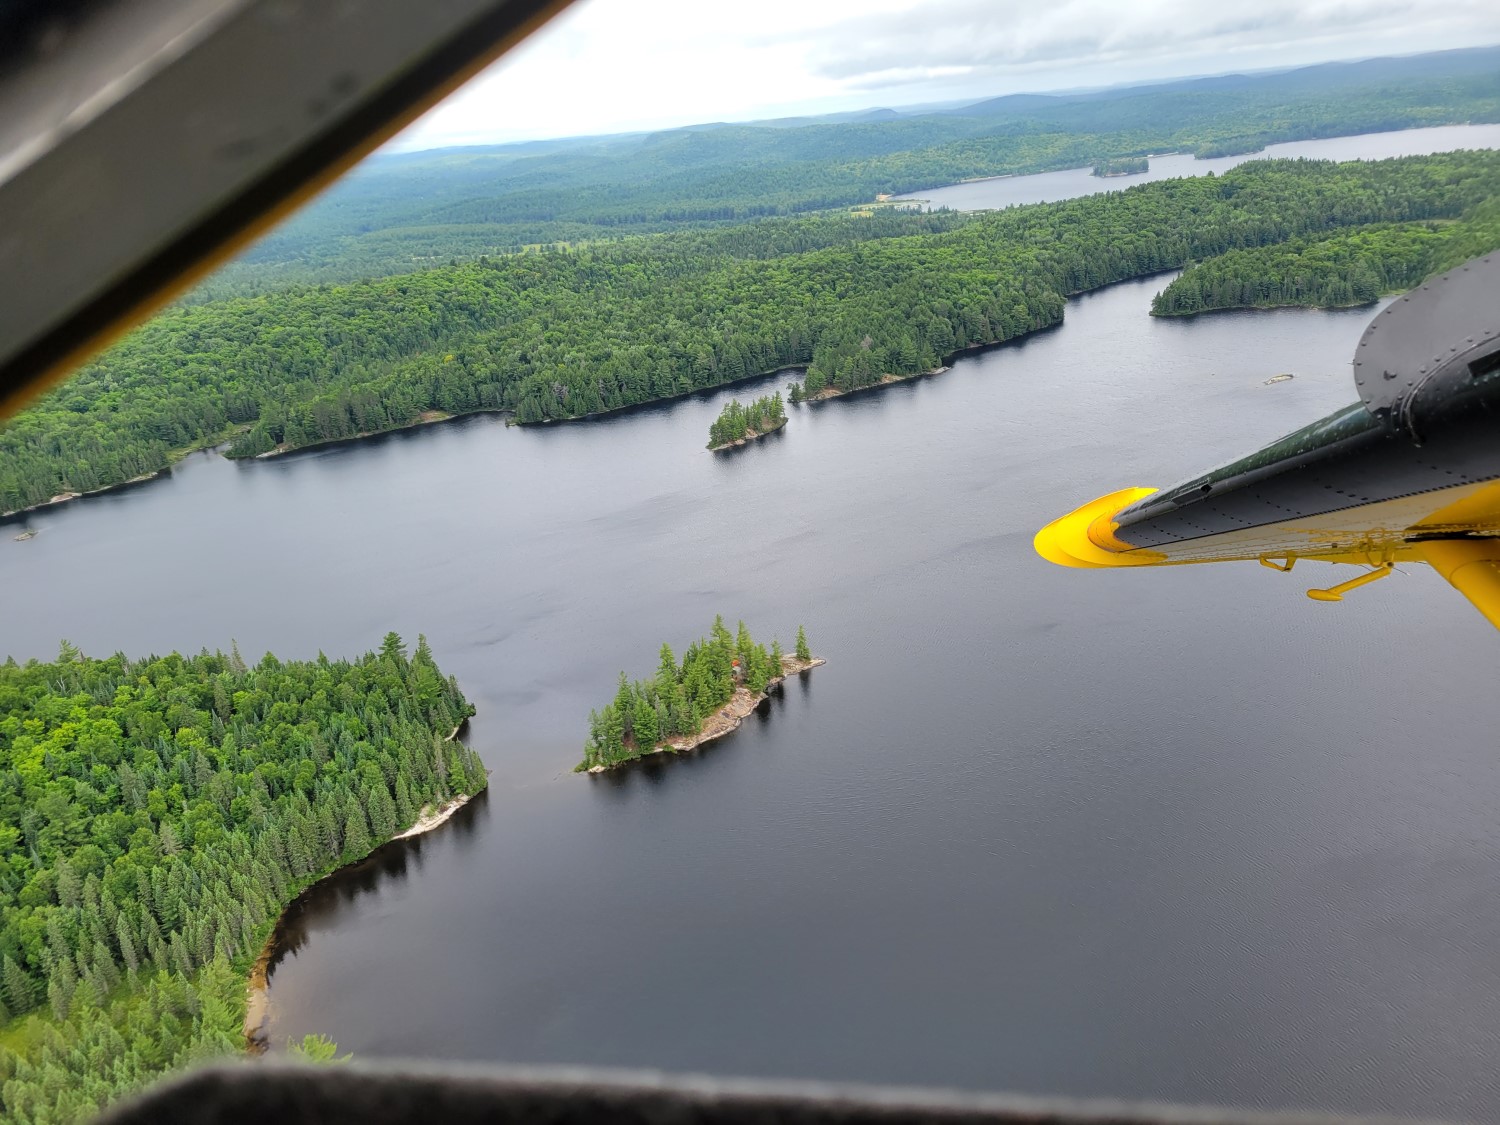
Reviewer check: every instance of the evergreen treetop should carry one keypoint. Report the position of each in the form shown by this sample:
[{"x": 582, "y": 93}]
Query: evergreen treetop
[
  {"x": 646, "y": 714},
  {"x": 156, "y": 815}
]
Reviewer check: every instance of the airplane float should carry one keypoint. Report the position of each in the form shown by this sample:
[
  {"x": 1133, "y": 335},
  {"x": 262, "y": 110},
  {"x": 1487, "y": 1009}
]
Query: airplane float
[{"x": 1409, "y": 474}]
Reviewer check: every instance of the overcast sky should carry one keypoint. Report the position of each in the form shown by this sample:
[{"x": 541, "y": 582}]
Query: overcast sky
[{"x": 609, "y": 66}]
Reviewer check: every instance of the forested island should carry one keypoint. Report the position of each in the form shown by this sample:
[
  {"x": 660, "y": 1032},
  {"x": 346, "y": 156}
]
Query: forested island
[
  {"x": 722, "y": 678},
  {"x": 854, "y": 300},
  {"x": 156, "y": 816},
  {"x": 1123, "y": 166},
  {"x": 737, "y": 424}
]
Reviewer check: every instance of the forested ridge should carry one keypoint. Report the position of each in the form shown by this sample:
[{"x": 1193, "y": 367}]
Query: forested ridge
[
  {"x": 398, "y": 213},
  {"x": 156, "y": 815},
  {"x": 564, "y": 334}
]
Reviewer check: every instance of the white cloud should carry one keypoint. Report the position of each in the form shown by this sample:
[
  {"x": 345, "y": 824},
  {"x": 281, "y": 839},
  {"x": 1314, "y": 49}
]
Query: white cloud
[
  {"x": 1015, "y": 37},
  {"x": 620, "y": 65}
]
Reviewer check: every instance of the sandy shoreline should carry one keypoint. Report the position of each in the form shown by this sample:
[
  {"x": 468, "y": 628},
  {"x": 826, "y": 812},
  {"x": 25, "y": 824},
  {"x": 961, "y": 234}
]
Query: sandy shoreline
[
  {"x": 883, "y": 381},
  {"x": 64, "y": 497},
  {"x": 428, "y": 820},
  {"x": 426, "y": 418},
  {"x": 727, "y": 718},
  {"x": 434, "y": 417}
]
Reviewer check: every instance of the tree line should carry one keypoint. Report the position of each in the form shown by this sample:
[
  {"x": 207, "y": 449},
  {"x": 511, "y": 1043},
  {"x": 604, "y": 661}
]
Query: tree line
[
  {"x": 566, "y": 334},
  {"x": 1352, "y": 267},
  {"x": 736, "y": 422},
  {"x": 674, "y": 703},
  {"x": 156, "y": 815}
]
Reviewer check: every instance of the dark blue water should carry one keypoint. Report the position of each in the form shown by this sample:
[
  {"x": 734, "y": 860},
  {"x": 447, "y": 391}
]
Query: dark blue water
[
  {"x": 1176, "y": 833},
  {"x": 1008, "y": 191}
]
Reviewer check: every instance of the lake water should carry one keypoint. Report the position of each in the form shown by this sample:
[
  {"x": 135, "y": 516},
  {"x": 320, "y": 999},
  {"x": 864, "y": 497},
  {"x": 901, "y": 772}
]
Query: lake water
[
  {"x": 1007, "y": 191},
  {"x": 1178, "y": 834}
]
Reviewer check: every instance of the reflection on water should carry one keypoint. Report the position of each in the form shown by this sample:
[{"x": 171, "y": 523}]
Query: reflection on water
[
  {"x": 322, "y": 904},
  {"x": 655, "y": 767}
]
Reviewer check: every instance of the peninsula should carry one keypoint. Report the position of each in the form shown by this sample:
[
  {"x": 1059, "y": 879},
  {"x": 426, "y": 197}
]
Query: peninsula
[
  {"x": 822, "y": 390},
  {"x": 721, "y": 680},
  {"x": 738, "y": 424},
  {"x": 203, "y": 795},
  {"x": 1330, "y": 269}
]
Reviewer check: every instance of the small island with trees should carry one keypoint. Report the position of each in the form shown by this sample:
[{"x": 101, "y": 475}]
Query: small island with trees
[
  {"x": 738, "y": 424},
  {"x": 1123, "y": 166},
  {"x": 722, "y": 679}
]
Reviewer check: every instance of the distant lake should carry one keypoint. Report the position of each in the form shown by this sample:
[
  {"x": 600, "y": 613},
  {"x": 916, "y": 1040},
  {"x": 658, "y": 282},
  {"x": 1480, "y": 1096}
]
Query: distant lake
[
  {"x": 1007, "y": 191},
  {"x": 1178, "y": 834}
]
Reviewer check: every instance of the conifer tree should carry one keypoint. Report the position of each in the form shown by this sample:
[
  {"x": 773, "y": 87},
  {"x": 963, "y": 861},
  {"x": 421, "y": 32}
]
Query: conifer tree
[
  {"x": 382, "y": 813},
  {"x": 20, "y": 988},
  {"x": 356, "y": 837},
  {"x": 646, "y": 730}
]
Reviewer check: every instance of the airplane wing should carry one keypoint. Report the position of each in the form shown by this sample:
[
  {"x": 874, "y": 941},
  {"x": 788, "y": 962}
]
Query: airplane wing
[
  {"x": 144, "y": 141},
  {"x": 1410, "y": 473}
]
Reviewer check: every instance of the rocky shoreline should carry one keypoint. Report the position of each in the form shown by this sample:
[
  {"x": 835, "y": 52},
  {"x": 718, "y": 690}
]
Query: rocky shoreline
[
  {"x": 726, "y": 719},
  {"x": 883, "y": 381},
  {"x": 750, "y": 435}
]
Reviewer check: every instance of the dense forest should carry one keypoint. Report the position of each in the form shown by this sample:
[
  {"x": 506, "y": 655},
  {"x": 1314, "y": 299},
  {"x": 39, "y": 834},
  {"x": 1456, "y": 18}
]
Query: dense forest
[
  {"x": 156, "y": 815},
  {"x": 675, "y": 702},
  {"x": 1123, "y": 166},
  {"x": 738, "y": 422},
  {"x": 568, "y": 333},
  {"x": 1352, "y": 267},
  {"x": 398, "y": 213}
]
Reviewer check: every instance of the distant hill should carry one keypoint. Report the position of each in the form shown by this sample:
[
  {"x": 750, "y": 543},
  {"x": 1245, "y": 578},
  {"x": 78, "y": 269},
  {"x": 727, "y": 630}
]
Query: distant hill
[
  {"x": 1468, "y": 61},
  {"x": 402, "y": 212},
  {"x": 881, "y": 114},
  {"x": 1010, "y": 103}
]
